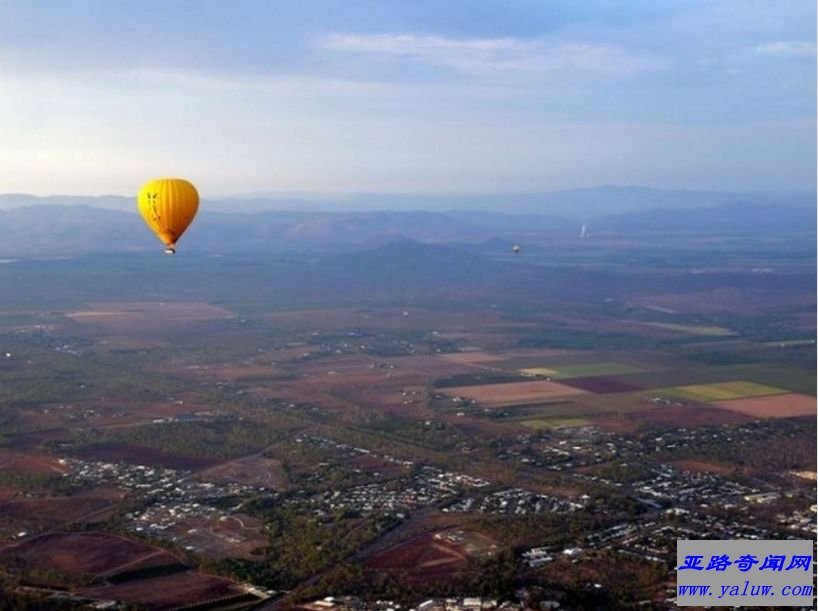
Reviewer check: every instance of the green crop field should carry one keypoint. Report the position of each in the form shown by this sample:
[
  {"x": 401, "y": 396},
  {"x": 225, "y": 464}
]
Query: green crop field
[
  {"x": 711, "y": 331},
  {"x": 794, "y": 379},
  {"x": 594, "y": 369},
  {"x": 721, "y": 391}
]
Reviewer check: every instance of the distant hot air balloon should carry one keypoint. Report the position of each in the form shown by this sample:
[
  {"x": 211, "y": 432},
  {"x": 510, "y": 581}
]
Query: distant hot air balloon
[
  {"x": 516, "y": 248},
  {"x": 168, "y": 206}
]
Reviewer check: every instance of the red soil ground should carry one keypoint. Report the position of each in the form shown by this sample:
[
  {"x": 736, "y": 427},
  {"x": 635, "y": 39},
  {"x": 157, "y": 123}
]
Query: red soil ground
[
  {"x": 511, "y": 393},
  {"x": 166, "y": 592},
  {"x": 777, "y": 406},
  {"x": 250, "y": 470},
  {"x": 435, "y": 556},
  {"x": 90, "y": 553},
  {"x": 423, "y": 558},
  {"x": 53, "y": 511},
  {"x": 34, "y": 464}
]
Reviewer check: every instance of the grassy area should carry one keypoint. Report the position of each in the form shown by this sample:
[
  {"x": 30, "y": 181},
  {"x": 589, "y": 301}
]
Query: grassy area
[
  {"x": 722, "y": 391},
  {"x": 795, "y": 379},
  {"x": 792, "y": 379},
  {"x": 710, "y": 331},
  {"x": 553, "y": 423},
  {"x": 594, "y": 369}
]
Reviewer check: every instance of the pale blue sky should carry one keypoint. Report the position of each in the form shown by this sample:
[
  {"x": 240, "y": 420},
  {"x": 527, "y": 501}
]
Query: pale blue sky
[{"x": 414, "y": 96}]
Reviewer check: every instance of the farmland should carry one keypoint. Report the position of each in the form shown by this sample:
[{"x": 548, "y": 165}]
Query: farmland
[
  {"x": 722, "y": 391},
  {"x": 173, "y": 591},
  {"x": 318, "y": 425},
  {"x": 544, "y": 424},
  {"x": 106, "y": 567},
  {"x": 788, "y": 405},
  {"x": 594, "y": 369},
  {"x": 694, "y": 329},
  {"x": 511, "y": 393},
  {"x": 88, "y": 554}
]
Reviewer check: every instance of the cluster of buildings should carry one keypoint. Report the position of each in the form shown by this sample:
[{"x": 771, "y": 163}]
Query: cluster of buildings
[
  {"x": 653, "y": 536},
  {"x": 569, "y": 448},
  {"x": 432, "y": 475},
  {"x": 170, "y": 496},
  {"x": 426, "y": 486},
  {"x": 423, "y": 484},
  {"x": 465, "y": 603},
  {"x": 657, "y": 485},
  {"x": 345, "y": 450},
  {"x": 647, "y": 540},
  {"x": 679, "y": 503},
  {"x": 379, "y": 344},
  {"x": 515, "y": 501},
  {"x": 575, "y": 447},
  {"x": 801, "y": 523},
  {"x": 666, "y": 485},
  {"x": 538, "y": 556},
  {"x": 675, "y": 503}
]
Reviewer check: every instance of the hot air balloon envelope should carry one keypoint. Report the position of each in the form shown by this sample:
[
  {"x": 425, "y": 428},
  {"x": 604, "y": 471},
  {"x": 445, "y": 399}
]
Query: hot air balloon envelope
[{"x": 168, "y": 206}]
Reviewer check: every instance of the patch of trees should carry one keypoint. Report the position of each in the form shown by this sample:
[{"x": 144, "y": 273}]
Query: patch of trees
[
  {"x": 301, "y": 546},
  {"x": 26, "y": 574},
  {"x": 542, "y": 529},
  {"x": 224, "y": 440},
  {"x": 775, "y": 445},
  {"x": 495, "y": 577}
]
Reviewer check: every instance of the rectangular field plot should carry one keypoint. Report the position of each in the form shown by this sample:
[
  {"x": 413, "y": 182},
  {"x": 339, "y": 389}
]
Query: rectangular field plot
[
  {"x": 722, "y": 391},
  {"x": 470, "y": 357},
  {"x": 542, "y": 424},
  {"x": 513, "y": 393},
  {"x": 788, "y": 405},
  {"x": 595, "y": 369},
  {"x": 475, "y": 379},
  {"x": 600, "y": 385},
  {"x": 137, "y": 311},
  {"x": 538, "y": 371},
  {"x": 176, "y": 591},
  {"x": 791, "y": 343},
  {"x": 787, "y": 379},
  {"x": 90, "y": 553},
  {"x": 693, "y": 329},
  {"x": 792, "y": 379}
]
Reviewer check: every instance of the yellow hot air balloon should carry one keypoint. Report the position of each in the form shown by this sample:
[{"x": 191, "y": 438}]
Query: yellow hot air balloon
[{"x": 168, "y": 206}]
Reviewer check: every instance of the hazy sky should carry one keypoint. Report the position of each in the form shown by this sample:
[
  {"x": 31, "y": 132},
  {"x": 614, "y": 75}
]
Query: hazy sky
[{"x": 432, "y": 96}]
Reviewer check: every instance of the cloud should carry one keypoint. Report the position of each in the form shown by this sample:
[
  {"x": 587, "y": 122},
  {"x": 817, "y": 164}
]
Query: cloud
[
  {"x": 480, "y": 55},
  {"x": 787, "y": 47}
]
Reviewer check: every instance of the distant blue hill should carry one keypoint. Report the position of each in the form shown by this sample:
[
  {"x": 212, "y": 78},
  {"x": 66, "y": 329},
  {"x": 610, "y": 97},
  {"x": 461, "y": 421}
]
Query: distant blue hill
[
  {"x": 579, "y": 204},
  {"x": 737, "y": 217},
  {"x": 55, "y": 230}
]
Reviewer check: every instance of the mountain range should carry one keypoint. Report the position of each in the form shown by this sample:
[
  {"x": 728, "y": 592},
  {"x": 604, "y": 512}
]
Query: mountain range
[
  {"x": 56, "y": 226},
  {"x": 584, "y": 204}
]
